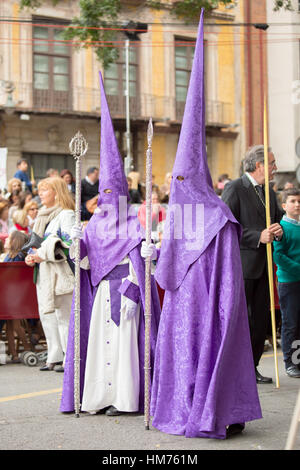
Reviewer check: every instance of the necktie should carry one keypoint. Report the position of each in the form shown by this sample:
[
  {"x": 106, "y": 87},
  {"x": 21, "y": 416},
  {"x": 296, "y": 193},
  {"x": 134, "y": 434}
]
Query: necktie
[{"x": 260, "y": 191}]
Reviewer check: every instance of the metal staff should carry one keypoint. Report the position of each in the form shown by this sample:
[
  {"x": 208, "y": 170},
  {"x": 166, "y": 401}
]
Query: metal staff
[
  {"x": 78, "y": 148},
  {"x": 269, "y": 249},
  {"x": 147, "y": 366}
]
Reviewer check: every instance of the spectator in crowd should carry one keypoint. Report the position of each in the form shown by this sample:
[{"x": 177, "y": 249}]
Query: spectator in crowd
[
  {"x": 21, "y": 173},
  {"x": 89, "y": 190},
  {"x": 4, "y": 227},
  {"x": 52, "y": 173},
  {"x": 25, "y": 196},
  {"x": 14, "y": 244},
  {"x": 14, "y": 203},
  {"x": 2, "y": 251},
  {"x": 158, "y": 212},
  {"x": 288, "y": 185},
  {"x": 31, "y": 209},
  {"x": 54, "y": 274},
  {"x": 155, "y": 187},
  {"x": 20, "y": 221},
  {"x": 287, "y": 259},
  {"x": 14, "y": 184},
  {"x": 136, "y": 184},
  {"x": 245, "y": 198},
  {"x": 222, "y": 181},
  {"x": 165, "y": 189},
  {"x": 67, "y": 176},
  {"x": 135, "y": 197}
]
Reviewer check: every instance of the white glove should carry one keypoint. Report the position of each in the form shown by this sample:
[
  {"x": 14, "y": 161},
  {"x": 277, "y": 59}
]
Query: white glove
[
  {"x": 76, "y": 232},
  {"x": 129, "y": 309},
  {"x": 148, "y": 250}
]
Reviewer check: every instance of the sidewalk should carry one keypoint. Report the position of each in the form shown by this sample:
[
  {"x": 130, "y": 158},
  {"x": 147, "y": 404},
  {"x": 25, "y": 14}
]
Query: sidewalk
[{"x": 30, "y": 418}]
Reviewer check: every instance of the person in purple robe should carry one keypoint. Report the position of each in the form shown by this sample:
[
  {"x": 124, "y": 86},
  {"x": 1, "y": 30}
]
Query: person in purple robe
[
  {"x": 112, "y": 295},
  {"x": 204, "y": 383}
]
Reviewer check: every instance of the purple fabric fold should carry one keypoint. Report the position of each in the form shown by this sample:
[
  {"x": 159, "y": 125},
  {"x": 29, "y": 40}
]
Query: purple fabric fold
[
  {"x": 130, "y": 290},
  {"x": 115, "y": 279}
]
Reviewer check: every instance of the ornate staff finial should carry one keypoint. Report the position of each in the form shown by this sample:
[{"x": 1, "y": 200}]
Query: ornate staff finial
[
  {"x": 78, "y": 146},
  {"x": 150, "y": 133}
]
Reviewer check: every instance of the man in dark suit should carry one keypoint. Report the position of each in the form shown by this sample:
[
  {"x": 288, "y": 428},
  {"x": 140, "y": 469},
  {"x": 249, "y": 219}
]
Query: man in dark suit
[
  {"x": 89, "y": 190},
  {"x": 246, "y": 199}
]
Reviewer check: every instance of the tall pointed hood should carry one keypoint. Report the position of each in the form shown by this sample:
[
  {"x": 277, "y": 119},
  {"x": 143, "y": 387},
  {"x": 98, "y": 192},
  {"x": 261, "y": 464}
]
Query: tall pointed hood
[
  {"x": 196, "y": 214},
  {"x": 112, "y": 176},
  {"x": 112, "y": 232}
]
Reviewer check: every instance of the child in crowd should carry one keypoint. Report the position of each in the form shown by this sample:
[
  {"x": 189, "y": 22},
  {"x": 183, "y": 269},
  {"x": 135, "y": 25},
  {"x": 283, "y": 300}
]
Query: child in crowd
[
  {"x": 287, "y": 259},
  {"x": 31, "y": 209},
  {"x": 14, "y": 244},
  {"x": 20, "y": 220}
]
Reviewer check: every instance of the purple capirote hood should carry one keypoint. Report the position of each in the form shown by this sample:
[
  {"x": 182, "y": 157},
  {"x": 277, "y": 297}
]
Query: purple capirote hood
[
  {"x": 113, "y": 231},
  {"x": 195, "y": 214}
]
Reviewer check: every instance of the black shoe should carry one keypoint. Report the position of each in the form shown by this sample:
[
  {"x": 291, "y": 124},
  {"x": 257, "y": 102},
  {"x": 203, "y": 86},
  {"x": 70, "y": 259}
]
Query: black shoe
[
  {"x": 234, "y": 429},
  {"x": 112, "y": 411},
  {"x": 262, "y": 380},
  {"x": 293, "y": 371},
  {"x": 47, "y": 367},
  {"x": 59, "y": 369}
]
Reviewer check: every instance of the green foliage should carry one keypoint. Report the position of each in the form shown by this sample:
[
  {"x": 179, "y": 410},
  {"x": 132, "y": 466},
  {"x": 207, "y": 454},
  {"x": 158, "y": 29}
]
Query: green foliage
[
  {"x": 285, "y": 4},
  {"x": 188, "y": 10},
  {"x": 96, "y": 14}
]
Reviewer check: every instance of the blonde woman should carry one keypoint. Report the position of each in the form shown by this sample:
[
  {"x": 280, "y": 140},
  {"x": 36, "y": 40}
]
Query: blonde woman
[
  {"x": 31, "y": 209},
  {"x": 55, "y": 279},
  {"x": 14, "y": 184}
]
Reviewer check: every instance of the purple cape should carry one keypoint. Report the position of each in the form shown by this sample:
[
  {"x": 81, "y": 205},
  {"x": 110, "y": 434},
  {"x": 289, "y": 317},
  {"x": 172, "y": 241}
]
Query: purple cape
[
  {"x": 204, "y": 376},
  {"x": 87, "y": 295}
]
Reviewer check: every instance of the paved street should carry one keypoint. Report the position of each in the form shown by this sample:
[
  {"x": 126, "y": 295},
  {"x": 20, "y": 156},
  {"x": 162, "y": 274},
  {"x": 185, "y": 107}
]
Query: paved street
[{"x": 30, "y": 418}]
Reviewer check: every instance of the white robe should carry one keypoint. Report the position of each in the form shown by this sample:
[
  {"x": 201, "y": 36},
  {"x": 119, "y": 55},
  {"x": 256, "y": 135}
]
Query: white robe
[{"x": 112, "y": 365}]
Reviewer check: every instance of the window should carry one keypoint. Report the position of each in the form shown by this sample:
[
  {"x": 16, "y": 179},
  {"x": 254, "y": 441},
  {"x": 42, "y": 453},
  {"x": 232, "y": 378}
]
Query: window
[
  {"x": 51, "y": 69},
  {"x": 184, "y": 54},
  {"x": 43, "y": 162},
  {"x": 115, "y": 83}
]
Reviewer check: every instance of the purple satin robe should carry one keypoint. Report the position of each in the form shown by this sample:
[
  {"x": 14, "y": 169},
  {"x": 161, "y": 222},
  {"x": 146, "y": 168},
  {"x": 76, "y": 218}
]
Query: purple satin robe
[{"x": 204, "y": 378}]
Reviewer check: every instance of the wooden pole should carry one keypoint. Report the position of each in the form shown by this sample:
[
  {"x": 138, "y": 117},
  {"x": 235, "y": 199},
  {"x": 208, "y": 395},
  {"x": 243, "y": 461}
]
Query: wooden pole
[{"x": 269, "y": 245}]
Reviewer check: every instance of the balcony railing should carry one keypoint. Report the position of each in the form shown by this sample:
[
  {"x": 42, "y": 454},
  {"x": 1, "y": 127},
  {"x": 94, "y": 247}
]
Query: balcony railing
[{"x": 87, "y": 100}]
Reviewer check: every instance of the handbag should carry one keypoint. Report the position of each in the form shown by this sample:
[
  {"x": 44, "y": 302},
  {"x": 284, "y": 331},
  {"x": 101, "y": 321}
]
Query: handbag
[{"x": 34, "y": 241}]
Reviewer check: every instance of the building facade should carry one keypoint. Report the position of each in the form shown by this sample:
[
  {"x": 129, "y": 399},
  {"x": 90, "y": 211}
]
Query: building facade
[
  {"x": 50, "y": 90},
  {"x": 284, "y": 91}
]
